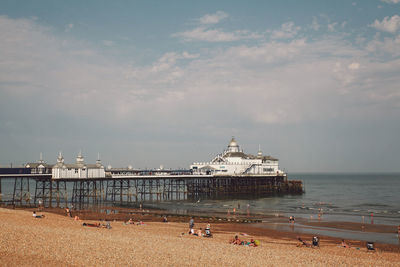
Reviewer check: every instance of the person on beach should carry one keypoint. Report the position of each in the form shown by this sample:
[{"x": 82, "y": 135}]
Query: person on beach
[
  {"x": 315, "y": 241},
  {"x": 107, "y": 225},
  {"x": 236, "y": 240},
  {"x": 130, "y": 221},
  {"x": 165, "y": 219},
  {"x": 198, "y": 233},
  {"x": 398, "y": 231},
  {"x": 208, "y": 231},
  {"x": 344, "y": 244},
  {"x": 34, "y": 215},
  {"x": 302, "y": 243},
  {"x": 191, "y": 224},
  {"x": 68, "y": 211},
  {"x": 91, "y": 224}
]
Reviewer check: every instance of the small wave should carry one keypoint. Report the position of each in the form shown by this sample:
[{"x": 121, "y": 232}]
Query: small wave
[{"x": 373, "y": 205}]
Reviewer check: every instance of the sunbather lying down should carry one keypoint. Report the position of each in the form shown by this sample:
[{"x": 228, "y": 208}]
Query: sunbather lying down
[
  {"x": 98, "y": 225},
  {"x": 91, "y": 224},
  {"x": 37, "y": 216},
  {"x": 302, "y": 243}
]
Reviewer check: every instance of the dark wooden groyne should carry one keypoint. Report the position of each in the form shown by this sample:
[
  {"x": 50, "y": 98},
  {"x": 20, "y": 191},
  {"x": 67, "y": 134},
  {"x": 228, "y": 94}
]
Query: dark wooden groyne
[{"x": 139, "y": 188}]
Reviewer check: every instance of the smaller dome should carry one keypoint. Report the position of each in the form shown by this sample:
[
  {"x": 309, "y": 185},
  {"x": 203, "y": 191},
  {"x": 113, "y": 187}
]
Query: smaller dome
[{"x": 233, "y": 143}]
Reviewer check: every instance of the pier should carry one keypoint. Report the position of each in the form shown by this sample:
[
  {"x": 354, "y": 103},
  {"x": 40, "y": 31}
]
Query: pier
[{"x": 134, "y": 187}]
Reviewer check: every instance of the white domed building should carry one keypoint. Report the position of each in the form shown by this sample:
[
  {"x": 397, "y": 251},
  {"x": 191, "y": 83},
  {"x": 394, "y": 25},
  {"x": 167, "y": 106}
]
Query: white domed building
[{"x": 233, "y": 161}]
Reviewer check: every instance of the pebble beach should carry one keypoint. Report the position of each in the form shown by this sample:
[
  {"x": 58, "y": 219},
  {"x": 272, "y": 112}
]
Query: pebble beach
[{"x": 60, "y": 240}]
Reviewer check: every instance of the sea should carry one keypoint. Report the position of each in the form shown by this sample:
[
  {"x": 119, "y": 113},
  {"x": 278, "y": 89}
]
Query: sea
[
  {"x": 357, "y": 198},
  {"x": 340, "y": 197}
]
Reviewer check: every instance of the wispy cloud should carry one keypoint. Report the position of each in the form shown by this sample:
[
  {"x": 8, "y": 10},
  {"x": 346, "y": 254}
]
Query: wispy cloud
[
  {"x": 388, "y": 24},
  {"x": 391, "y": 1},
  {"x": 69, "y": 27},
  {"x": 288, "y": 30},
  {"x": 205, "y": 33},
  {"x": 215, "y": 35},
  {"x": 108, "y": 43},
  {"x": 213, "y": 18}
]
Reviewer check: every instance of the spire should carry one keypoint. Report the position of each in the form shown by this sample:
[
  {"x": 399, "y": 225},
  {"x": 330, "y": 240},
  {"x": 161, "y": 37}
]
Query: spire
[
  {"x": 41, "y": 158},
  {"x": 79, "y": 158},
  {"x": 60, "y": 158},
  {"x": 98, "y": 161},
  {"x": 259, "y": 153}
]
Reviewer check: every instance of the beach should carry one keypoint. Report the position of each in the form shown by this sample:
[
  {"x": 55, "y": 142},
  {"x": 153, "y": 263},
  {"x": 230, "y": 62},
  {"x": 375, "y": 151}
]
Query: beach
[{"x": 58, "y": 239}]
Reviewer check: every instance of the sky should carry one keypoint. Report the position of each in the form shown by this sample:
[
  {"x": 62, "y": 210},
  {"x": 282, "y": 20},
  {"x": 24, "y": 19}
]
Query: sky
[{"x": 315, "y": 84}]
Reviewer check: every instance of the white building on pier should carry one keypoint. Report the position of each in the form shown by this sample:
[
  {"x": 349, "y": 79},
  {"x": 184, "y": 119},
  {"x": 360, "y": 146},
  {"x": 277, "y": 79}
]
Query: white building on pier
[
  {"x": 233, "y": 161},
  {"x": 77, "y": 170}
]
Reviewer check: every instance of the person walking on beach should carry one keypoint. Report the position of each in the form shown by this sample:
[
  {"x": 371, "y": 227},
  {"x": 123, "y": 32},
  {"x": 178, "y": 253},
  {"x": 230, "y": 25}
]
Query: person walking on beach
[
  {"x": 191, "y": 224},
  {"x": 398, "y": 232}
]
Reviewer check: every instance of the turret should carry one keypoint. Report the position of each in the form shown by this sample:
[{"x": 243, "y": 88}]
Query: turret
[{"x": 79, "y": 159}]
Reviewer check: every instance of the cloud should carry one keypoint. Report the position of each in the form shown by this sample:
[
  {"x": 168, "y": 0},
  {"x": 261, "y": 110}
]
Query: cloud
[
  {"x": 69, "y": 27},
  {"x": 354, "y": 66},
  {"x": 215, "y": 35},
  {"x": 288, "y": 30},
  {"x": 315, "y": 25},
  {"x": 331, "y": 26},
  {"x": 391, "y": 25},
  {"x": 267, "y": 83},
  {"x": 391, "y": 1},
  {"x": 108, "y": 43},
  {"x": 389, "y": 47},
  {"x": 213, "y": 18}
]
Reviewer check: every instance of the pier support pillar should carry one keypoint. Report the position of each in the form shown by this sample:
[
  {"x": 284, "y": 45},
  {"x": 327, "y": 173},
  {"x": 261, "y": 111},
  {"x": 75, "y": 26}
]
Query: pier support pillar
[
  {"x": 51, "y": 191},
  {"x": 21, "y": 194}
]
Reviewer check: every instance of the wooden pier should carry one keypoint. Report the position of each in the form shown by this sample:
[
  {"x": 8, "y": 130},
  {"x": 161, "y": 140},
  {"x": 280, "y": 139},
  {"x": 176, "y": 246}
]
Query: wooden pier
[{"x": 142, "y": 187}]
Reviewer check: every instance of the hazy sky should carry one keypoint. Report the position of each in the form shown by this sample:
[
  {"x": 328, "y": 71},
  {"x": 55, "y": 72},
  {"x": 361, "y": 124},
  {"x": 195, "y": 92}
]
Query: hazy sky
[{"x": 315, "y": 83}]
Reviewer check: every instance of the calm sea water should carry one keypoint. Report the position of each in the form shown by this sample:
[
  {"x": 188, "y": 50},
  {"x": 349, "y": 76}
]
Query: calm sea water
[{"x": 341, "y": 197}]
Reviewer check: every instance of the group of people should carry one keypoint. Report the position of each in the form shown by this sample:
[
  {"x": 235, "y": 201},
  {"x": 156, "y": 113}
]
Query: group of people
[
  {"x": 251, "y": 243},
  {"x": 314, "y": 242},
  {"x": 131, "y": 221},
  {"x": 207, "y": 231}
]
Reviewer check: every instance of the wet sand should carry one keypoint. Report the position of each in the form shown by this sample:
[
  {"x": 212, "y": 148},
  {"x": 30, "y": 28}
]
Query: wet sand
[{"x": 58, "y": 239}]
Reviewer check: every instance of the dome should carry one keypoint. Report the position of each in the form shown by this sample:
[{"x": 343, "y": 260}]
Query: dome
[
  {"x": 233, "y": 146},
  {"x": 233, "y": 143}
]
